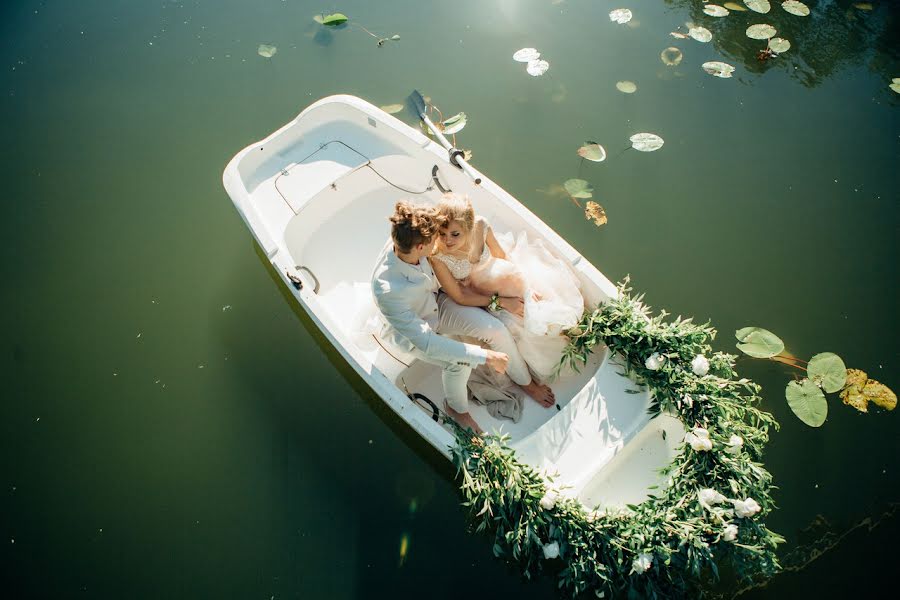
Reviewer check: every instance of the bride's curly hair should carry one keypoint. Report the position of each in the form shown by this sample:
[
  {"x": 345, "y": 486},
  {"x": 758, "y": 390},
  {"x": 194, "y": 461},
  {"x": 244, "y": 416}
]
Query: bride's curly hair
[
  {"x": 412, "y": 225},
  {"x": 456, "y": 208}
]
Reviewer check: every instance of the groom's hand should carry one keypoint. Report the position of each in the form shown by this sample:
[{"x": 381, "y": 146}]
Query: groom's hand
[{"x": 498, "y": 361}]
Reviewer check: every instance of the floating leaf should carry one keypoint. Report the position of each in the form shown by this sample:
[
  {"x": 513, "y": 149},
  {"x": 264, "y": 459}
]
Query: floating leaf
[
  {"x": 266, "y": 51},
  {"x": 758, "y": 342},
  {"x": 807, "y": 401},
  {"x": 536, "y": 68},
  {"x": 594, "y": 212},
  {"x": 863, "y": 5},
  {"x": 860, "y": 390},
  {"x": 718, "y": 69},
  {"x": 735, "y": 6},
  {"x": 701, "y": 34},
  {"x": 796, "y": 8},
  {"x": 679, "y": 35},
  {"x": 453, "y": 124},
  {"x": 626, "y": 87},
  {"x": 526, "y": 55},
  {"x": 333, "y": 20},
  {"x": 714, "y": 10},
  {"x": 620, "y": 15},
  {"x": 395, "y": 37},
  {"x": 592, "y": 151},
  {"x": 578, "y": 188},
  {"x": 671, "y": 56},
  {"x": 828, "y": 371},
  {"x": 760, "y": 6},
  {"x": 779, "y": 45},
  {"x": 760, "y": 31},
  {"x": 895, "y": 84},
  {"x": 392, "y": 109},
  {"x": 646, "y": 142}
]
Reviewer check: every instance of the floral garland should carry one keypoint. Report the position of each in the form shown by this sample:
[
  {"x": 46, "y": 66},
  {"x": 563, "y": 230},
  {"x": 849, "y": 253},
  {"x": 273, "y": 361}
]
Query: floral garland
[{"x": 711, "y": 510}]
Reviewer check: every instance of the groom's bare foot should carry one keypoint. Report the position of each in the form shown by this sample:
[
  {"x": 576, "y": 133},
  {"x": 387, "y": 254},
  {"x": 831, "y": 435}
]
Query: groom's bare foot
[
  {"x": 541, "y": 393},
  {"x": 465, "y": 420}
]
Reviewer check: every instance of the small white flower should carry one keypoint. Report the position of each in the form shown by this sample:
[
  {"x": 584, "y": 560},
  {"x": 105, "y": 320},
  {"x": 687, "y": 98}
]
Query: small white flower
[
  {"x": 735, "y": 443},
  {"x": 729, "y": 534},
  {"x": 700, "y": 365},
  {"x": 551, "y": 550},
  {"x": 709, "y": 497},
  {"x": 699, "y": 440},
  {"x": 654, "y": 362},
  {"x": 641, "y": 563},
  {"x": 746, "y": 508},
  {"x": 688, "y": 401},
  {"x": 549, "y": 499}
]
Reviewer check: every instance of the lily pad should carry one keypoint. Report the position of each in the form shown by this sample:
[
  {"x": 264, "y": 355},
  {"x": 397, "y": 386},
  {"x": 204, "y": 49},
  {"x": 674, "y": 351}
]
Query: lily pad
[
  {"x": 807, "y": 401},
  {"x": 860, "y": 390},
  {"x": 646, "y": 142},
  {"x": 592, "y": 151},
  {"x": 827, "y": 370},
  {"x": 392, "y": 109},
  {"x": 453, "y": 124},
  {"x": 895, "y": 84},
  {"x": 626, "y": 87},
  {"x": 714, "y": 10},
  {"x": 760, "y": 6},
  {"x": 536, "y": 68},
  {"x": 718, "y": 69},
  {"x": 863, "y": 5},
  {"x": 679, "y": 35},
  {"x": 761, "y": 31},
  {"x": 395, "y": 37},
  {"x": 671, "y": 56},
  {"x": 526, "y": 55},
  {"x": 701, "y": 34},
  {"x": 620, "y": 16},
  {"x": 758, "y": 342},
  {"x": 779, "y": 45},
  {"x": 796, "y": 8},
  {"x": 735, "y": 6},
  {"x": 266, "y": 51},
  {"x": 578, "y": 188},
  {"x": 594, "y": 212},
  {"x": 332, "y": 20}
]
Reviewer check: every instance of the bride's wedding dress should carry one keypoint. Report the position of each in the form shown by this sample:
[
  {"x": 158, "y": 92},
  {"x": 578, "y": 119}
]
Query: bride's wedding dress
[{"x": 553, "y": 302}]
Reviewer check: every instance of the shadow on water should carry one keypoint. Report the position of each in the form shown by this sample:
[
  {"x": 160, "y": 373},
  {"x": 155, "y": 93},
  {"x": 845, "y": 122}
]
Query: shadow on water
[{"x": 835, "y": 36}]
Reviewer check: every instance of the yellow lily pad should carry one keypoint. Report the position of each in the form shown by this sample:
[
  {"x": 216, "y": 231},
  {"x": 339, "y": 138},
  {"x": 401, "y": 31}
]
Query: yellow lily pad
[{"x": 594, "y": 212}]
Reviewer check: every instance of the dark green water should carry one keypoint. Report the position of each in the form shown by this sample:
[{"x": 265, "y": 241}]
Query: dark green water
[{"x": 174, "y": 427}]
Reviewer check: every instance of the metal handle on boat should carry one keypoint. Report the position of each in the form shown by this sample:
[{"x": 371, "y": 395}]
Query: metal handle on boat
[
  {"x": 311, "y": 274},
  {"x": 437, "y": 182}
]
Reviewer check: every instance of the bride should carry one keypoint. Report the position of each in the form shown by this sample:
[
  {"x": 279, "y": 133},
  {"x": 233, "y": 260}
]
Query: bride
[{"x": 531, "y": 291}]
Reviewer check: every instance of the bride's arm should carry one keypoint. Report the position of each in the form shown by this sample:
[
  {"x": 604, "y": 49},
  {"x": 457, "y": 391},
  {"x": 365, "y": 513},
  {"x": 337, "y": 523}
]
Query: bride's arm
[
  {"x": 462, "y": 295},
  {"x": 493, "y": 245}
]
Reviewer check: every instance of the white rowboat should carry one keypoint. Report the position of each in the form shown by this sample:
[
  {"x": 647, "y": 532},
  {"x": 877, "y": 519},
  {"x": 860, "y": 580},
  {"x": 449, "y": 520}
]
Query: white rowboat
[{"x": 316, "y": 195}]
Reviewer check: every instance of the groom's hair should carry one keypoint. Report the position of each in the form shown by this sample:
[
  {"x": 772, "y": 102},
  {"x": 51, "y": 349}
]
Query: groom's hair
[{"x": 412, "y": 225}]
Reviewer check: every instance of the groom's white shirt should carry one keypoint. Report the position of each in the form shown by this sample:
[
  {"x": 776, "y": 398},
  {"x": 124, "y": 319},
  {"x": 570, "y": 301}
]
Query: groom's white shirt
[{"x": 405, "y": 295}]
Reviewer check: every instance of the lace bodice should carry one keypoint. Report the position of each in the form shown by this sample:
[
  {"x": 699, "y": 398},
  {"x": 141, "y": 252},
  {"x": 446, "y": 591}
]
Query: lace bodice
[{"x": 461, "y": 267}]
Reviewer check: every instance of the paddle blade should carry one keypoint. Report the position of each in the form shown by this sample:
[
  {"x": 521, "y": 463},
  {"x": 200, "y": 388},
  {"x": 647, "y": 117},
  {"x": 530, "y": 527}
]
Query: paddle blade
[{"x": 418, "y": 102}]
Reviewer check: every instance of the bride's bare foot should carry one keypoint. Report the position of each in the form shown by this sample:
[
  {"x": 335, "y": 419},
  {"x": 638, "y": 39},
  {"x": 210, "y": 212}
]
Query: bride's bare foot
[
  {"x": 542, "y": 394},
  {"x": 465, "y": 420}
]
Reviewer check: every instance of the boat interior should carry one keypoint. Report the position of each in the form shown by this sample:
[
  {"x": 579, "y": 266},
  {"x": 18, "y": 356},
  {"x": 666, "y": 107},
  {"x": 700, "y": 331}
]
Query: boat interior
[{"x": 326, "y": 199}]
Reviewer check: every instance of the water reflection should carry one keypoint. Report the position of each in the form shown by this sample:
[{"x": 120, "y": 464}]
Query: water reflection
[{"x": 836, "y": 35}]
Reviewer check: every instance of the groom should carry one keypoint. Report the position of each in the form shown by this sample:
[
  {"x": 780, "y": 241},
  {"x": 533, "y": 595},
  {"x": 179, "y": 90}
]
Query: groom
[{"x": 418, "y": 320}]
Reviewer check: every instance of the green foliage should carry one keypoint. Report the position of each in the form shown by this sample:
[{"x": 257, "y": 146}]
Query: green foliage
[
  {"x": 758, "y": 342},
  {"x": 807, "y": 401},
  {"x": 827, "y": 370},
  {"x": 684, "y": 539}
]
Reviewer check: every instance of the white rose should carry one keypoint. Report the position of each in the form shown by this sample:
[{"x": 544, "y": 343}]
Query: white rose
[
  {"x": 735, "y": 443},
  {"x": 551, "y": 550},
  {"x": 654, "y": 362},
  {"x": 700, "y": 365},
  {"x": 641, "y": 563},
  {"x": 688, "y": 401},
  {"x": 549, "y": 499},
  {"x": 729, "y": 534},
  {"x": 699, "y": 439},
  {"x": 709, "y": 497},
  {"x": 746, "y": 508}
]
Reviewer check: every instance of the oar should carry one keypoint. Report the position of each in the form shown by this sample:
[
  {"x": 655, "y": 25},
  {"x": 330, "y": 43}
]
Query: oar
[{"x": 456, "y": 155}]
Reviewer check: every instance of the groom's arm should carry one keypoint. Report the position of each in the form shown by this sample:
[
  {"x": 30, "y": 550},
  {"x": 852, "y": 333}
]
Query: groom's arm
[{"x": 435, "y": 346}]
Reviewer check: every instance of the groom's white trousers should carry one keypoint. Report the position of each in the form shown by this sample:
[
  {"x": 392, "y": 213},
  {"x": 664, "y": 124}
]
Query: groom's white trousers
[{"x": 473, "y": 321}]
